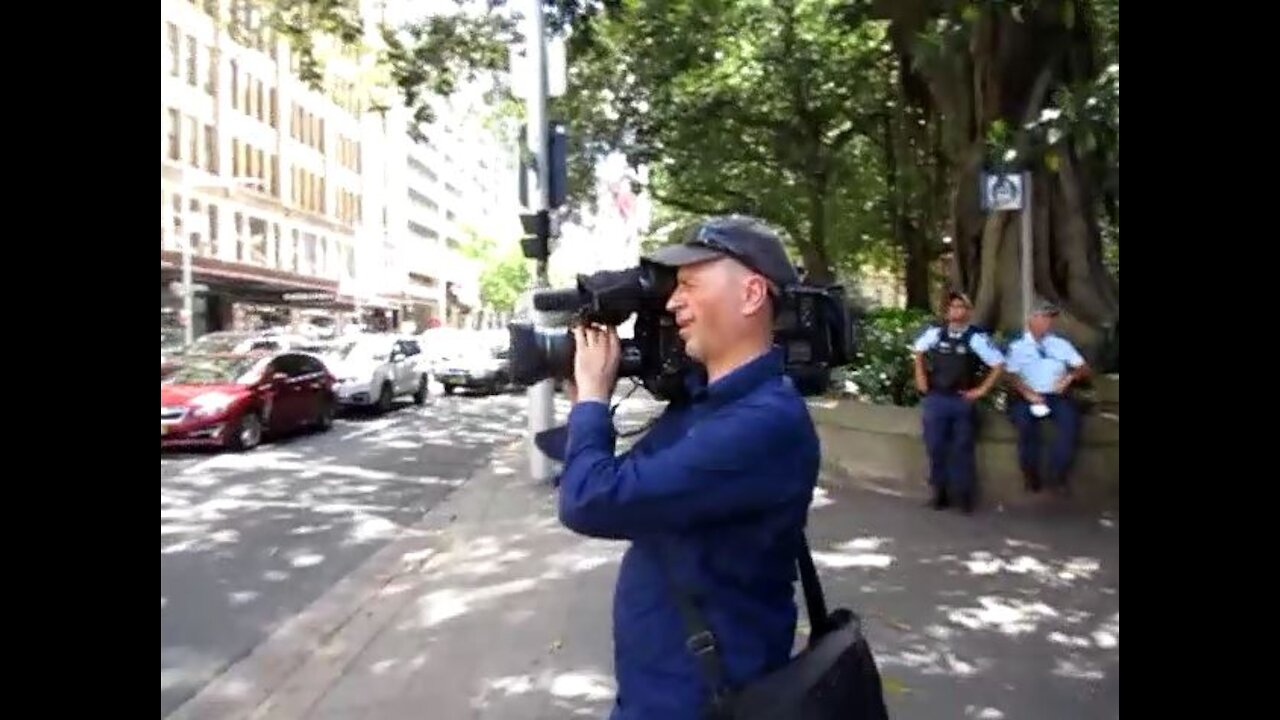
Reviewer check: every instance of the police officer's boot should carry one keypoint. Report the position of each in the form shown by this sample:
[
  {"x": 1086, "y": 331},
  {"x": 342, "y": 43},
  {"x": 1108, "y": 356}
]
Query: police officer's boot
[
  {"x": 940, "y": 500},
  {"x": 1031, "y": 480},
  {"x": 966, "y": 503}
]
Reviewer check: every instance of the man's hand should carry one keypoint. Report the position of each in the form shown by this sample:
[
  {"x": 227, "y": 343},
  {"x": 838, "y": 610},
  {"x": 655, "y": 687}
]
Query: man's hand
[
  {"x": 1034, "y": 397},
  {"x": 1063, "y": 384},
  {"x": 595, "y": 363},
  {"x": 973, "y": 395}
]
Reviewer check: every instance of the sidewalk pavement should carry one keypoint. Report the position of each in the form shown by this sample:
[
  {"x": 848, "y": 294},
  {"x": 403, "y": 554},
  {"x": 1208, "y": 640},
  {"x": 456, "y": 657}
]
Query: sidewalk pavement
[{"x": 489, "y": 609}]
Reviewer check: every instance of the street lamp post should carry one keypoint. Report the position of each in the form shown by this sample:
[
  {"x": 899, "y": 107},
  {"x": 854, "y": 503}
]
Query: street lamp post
[{"x": 188, "y": 295}]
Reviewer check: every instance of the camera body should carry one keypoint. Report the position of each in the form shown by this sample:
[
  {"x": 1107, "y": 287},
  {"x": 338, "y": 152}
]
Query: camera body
[{"x": 811, "y": 327}]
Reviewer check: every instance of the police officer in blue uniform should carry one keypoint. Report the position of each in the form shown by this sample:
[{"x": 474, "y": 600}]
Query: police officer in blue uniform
[
  {"x": 948, "y": 367},
  {"x": 1042, "y": 366}
]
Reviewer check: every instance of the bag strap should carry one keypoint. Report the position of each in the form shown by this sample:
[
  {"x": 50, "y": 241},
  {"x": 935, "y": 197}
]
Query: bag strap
[
  {"x": 815, "y": 602},
  {"x": 702, "y": 642}
]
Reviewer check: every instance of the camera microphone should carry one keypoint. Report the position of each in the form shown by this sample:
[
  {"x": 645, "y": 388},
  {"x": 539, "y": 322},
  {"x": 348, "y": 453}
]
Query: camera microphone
[{"x": 568, "y": 300}]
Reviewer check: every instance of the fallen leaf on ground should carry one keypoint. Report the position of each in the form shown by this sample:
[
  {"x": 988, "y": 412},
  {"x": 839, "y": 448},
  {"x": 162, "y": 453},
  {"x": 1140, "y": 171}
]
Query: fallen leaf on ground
[{"x": 894, "y": 686}]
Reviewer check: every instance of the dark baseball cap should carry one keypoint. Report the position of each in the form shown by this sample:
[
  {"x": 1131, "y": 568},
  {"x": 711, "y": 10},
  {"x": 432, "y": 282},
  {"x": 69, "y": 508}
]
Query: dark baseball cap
[{"x": 745, "y": 239}]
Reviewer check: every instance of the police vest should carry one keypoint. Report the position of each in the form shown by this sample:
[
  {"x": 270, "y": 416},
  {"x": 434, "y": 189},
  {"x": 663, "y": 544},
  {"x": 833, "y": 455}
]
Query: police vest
[{"x": 952, "y": 363}]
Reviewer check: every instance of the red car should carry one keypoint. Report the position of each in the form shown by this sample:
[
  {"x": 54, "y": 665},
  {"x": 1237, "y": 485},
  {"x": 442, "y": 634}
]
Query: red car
[{"x": 232, "y": 401}]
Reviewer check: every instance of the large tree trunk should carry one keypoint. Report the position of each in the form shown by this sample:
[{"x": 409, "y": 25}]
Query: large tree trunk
[
  {"x": 1008, "y": 73},
  {"x": 909, "y": 236},
  {"x": 817, "y": 263}
]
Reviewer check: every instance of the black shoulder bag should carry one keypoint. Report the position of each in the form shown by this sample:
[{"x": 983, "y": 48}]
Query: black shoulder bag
[{"x": 834, "y": 678}]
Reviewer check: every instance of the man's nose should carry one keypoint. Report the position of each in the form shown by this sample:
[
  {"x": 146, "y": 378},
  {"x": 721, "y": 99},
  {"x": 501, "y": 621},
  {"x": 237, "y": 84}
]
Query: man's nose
[{"x": 674, "y": 302}]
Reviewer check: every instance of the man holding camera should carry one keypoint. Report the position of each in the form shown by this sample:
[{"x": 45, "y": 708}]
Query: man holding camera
[
  {"x": 948, "y": 363},
  {"x": 715, "y": 497}
]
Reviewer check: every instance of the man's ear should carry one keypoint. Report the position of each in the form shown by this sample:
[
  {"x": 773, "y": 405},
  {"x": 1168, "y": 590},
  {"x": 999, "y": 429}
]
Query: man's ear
[{"x": 755, "y": 293}]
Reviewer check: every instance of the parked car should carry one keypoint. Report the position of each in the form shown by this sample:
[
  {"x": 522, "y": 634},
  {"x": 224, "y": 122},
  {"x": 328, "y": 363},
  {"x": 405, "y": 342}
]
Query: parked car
[
  {"x": 228, "y": 342},
  {"x": 373, "y": 370},
  {"x": 233, "y": 401},
  {"x": 483, "y": 363}
]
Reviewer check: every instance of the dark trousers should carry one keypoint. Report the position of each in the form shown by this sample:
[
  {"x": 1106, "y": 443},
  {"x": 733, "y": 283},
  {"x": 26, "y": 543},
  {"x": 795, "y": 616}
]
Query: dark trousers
[
  {"x": 1065, "y": 417},
  {"x": 949, "y": 427}
]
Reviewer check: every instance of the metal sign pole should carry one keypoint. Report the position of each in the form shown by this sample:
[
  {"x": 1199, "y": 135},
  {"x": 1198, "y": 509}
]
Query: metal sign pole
[{"x": 1028, "y": 257}]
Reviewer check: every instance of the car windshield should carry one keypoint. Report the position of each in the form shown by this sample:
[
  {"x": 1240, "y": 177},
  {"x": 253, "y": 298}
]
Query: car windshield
[
  {"x": 362, "y": 349},
  {"x": 215, "y": 343},
  {"x": 215, "y": 371}
]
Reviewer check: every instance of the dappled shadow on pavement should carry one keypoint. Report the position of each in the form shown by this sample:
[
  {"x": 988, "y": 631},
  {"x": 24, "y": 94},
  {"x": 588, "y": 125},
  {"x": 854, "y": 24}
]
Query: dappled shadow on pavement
[
  {"x": 510, "y": 619},
  {"x": 992, "y": 616},
  {"x": 248, "y": 540}
]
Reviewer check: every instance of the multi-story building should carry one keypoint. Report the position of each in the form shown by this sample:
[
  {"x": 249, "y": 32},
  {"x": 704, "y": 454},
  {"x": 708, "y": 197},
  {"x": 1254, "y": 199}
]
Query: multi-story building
[
  {"x": 294, "y": 199},
  {"x": 261, "y": 174},
  {"x": 459, "y": 184}
]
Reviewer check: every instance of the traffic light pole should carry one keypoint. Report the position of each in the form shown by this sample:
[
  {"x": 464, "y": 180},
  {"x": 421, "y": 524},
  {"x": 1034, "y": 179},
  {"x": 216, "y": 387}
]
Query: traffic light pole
[{"x": 541, "y": 395}]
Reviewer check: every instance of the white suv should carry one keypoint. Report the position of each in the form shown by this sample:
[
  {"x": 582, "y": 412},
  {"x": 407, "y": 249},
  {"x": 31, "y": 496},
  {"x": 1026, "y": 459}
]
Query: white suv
[{"x": 373, "y": 370}]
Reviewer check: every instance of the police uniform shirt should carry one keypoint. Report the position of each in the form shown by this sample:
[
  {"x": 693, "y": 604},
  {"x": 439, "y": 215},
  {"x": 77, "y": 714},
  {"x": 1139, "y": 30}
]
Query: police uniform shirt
[
  {"x": 979, "y": 342},
  {"x": 1041, "y": 365}
]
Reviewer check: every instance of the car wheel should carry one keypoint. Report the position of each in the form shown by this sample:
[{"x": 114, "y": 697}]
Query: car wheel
[
  {"x": 385, "y": 396},
  {"x": 247, "y": 433},
  {"x": 448, "y": 389},
  {"x": 420, "y": 396},
  {"x": 324, "y": 419}
]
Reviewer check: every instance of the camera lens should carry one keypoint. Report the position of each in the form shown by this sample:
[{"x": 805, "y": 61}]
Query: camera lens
[{"x": 540, "y": 353}]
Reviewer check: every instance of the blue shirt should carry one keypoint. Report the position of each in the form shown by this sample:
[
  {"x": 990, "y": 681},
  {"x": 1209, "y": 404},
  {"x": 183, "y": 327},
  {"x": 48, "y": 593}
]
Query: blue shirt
[
  {"x": 720, "y": 489},
  {"x": 1042, "y": 364},
  {"x": 979, "y": 342}
]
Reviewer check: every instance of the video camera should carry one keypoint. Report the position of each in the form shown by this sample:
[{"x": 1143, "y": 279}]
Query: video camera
[{"x": 811, "y": 326}]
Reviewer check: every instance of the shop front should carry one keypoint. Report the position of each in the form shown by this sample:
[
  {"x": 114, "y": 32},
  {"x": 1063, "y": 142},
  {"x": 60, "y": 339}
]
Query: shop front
[{"x": 232, "y": 296}]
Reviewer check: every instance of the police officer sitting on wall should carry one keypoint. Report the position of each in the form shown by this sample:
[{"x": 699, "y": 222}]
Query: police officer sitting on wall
[
  {"x": 948, "y": 364},
  {"x": 1042, "y": 365}
]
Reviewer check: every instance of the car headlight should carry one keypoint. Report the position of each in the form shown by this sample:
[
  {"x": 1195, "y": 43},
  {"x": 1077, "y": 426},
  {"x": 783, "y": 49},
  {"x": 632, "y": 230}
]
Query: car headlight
[
  {"x": 346, "y": 380},
  {"x": 210, "y": 404}
]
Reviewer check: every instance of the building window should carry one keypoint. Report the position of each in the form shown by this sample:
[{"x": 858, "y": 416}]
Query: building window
[
  {"x": 193, "y": 61},
  {"x": 238, "y": 245},
  {"x": 261, "y": 109},
  {"x": 275, "y": 176},
  {"x": 275, "y": 109},
  {"x": 213, "y": 230},
  {"x": 210, "y": 8},
  {"x": 258, "y": 241},
  {"x": 450, "y": 215},
  {"x": 198, "y": 241},
  {"x": 175, "y": 137},
  {"x": 177, "y": 219},
  {"x": 236, "y": 165},
  {"x": 235, "y": 85},
  {"x": 193, "y": 142},
  {"x": 175, "y": 51},
  {"x": 211, "y": 78},
  {"x": 211, "y": 149}
]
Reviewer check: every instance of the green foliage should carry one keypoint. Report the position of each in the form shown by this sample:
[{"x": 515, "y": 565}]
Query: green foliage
[
  {"x": 882, "y": 369},
  {"x": 504, "y": 273},
  {"x": 759, "y": 107},
  {"x": 428, "y": 58}
]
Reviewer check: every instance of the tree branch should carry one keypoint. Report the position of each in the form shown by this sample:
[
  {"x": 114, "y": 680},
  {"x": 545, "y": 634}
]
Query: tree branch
[{"x": 700, "y": 209}]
